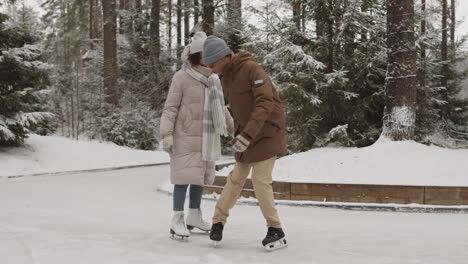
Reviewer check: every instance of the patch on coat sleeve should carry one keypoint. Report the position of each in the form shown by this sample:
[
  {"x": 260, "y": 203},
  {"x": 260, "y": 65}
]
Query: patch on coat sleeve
[{"x": 258, "y": 82}]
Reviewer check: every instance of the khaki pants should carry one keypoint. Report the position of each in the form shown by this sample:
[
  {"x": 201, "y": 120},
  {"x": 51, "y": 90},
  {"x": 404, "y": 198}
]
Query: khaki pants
[{"x": 262, "y": 183}]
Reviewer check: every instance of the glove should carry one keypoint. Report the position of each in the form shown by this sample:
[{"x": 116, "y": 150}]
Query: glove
[
  {"x": 240, "y": 143},
  {"x": 168, "y": 143}
]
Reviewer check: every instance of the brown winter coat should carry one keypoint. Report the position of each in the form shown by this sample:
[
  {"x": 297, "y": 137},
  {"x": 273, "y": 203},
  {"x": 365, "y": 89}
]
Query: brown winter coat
[
  {"x": 183, "y": 118},
  {"x": 256, "y": 108}
]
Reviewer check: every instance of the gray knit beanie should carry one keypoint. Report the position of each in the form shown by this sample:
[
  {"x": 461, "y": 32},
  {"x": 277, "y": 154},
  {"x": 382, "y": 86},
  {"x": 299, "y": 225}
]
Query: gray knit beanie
[{"x": 214, "y": 49}]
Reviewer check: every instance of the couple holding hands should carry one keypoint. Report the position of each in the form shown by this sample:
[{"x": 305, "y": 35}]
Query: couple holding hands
[{"x": 195, "y": 117}]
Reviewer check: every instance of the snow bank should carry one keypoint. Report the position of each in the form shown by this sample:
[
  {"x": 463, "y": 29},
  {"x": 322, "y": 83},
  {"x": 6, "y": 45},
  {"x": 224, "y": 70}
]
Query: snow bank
[
  {"x": 52, "y": 153},
  {"x": 387, "y": 163}
]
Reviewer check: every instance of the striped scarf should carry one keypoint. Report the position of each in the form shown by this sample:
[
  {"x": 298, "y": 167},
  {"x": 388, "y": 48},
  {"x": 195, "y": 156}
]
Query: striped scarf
[{"x": 214, "y": 120}]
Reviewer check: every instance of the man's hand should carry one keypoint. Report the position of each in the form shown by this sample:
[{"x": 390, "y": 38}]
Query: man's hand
[
  {"x": 168, "y": 143},
  {"x": 240, "y": 143}
]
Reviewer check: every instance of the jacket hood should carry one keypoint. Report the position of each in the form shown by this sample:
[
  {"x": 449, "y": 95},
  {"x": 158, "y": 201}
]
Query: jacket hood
[{"x": 240, "y": 58}]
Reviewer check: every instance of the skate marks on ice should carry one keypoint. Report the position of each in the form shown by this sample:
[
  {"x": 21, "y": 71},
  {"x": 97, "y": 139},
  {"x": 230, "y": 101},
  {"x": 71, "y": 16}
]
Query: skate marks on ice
[{"x": 13, "y": 248}]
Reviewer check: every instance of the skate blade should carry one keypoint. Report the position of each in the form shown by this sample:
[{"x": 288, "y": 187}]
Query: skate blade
[
  {"x": 215, "y": 244},
  {"x": 192, "y": 229},
  {"x": 178, "y": 237},
  {"x": 282, "y": 243}
]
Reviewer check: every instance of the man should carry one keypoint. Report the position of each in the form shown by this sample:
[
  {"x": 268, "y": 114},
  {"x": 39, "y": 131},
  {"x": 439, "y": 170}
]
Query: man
[{"x": 259, "y": 137}]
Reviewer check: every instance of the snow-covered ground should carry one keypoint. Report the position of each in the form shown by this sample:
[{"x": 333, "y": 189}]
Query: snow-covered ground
[
  {"x": 117, "y": 217},
  {"x": 52, "y": 154},
  {"x": 393, "y": 163}
]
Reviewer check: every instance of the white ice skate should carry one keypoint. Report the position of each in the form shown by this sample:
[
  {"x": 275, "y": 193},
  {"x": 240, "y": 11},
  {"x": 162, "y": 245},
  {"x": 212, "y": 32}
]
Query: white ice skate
[
  {"x": 195, "y": 220},
  {"x": 178, "y": 228}
]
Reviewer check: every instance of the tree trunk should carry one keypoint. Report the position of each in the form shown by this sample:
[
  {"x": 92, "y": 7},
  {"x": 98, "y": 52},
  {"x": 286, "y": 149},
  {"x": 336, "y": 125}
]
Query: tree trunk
[
  {"x": 91, "y": 22},
  {"x": 186, "y": 22},
  {"x": 121, "y": 19},
  {"x": 303, "y": 19},
  {"x": 330, "y": 35},
  {"x": 68, "y": 27},
  {"x": 110, "y": 51},
  {"x": 78, "y": 98},
  {"x": 452, "y": 30},
  {"x": 208, "y": 16},
  {"x": 169, "y": 26},
  {"x": 130, "y": 7},
  {"x": 296, "y": 8},
  {"x": 196, "y": 14},
  {"x": 444, "y": 47},
  {"x": 154, "y": 30},
  {"x": 423, "y": 28},
  {"x": 364, "y": 9},
  {"x": 320, "y": 22},
  {"x": 98, "y": 25},
  {"x": 423, "y": 46},
  {"x": 138, "y": 10},
  {"x": 400, "y": 109},
  {"x": 179, "y": 28},
  {"x": 72, "y": 110},
  {"x": 349, "y": 37},
  {"x": 155, "y": 48},
  {"x": 69, "y": 118}
]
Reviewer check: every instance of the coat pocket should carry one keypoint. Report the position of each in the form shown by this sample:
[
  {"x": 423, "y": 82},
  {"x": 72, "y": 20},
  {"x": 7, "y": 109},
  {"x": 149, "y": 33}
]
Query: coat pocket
[{"x": 270, "y": 130}]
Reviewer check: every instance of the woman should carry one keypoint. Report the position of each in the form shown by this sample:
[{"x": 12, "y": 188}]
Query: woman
[{"x": 193, "y": 119}]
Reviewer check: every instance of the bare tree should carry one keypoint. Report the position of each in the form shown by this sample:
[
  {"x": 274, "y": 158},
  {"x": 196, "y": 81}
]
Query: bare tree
[{"x": 399, "y": 114}]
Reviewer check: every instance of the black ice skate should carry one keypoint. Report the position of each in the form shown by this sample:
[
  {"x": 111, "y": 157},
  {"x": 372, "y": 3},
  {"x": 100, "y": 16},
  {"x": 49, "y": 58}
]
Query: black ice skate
[
  {"x": 216, "y": 233},
  {"x": 274, "y": 239}
]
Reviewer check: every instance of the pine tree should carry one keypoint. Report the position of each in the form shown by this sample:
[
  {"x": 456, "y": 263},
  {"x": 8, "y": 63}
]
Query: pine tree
[{"x": 23, "y": 80}]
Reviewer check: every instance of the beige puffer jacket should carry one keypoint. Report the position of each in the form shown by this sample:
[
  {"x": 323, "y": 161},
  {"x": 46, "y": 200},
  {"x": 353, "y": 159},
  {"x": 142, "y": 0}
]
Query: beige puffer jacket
[{"x": 183, "y": 119}]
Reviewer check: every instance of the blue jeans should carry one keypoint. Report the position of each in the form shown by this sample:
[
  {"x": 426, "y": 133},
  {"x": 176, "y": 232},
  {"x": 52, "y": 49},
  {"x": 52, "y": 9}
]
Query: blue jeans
[{"x": 180, "y": 191}]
